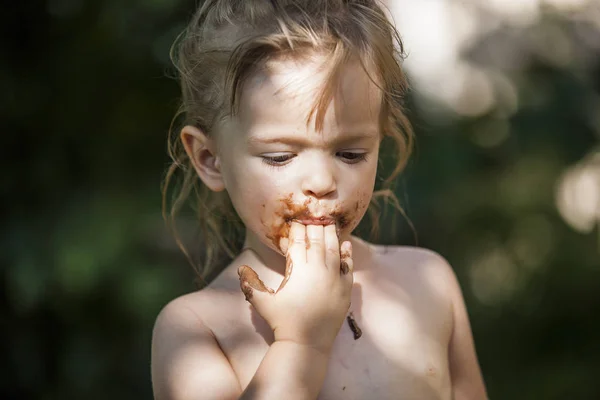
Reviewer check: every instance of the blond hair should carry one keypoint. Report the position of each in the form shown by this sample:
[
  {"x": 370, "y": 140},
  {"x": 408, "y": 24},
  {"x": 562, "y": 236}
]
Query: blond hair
[{"x": 225, "y": 42}]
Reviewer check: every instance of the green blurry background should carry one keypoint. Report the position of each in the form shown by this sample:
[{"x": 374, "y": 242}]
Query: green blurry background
[{"x": 510, "y": 196}]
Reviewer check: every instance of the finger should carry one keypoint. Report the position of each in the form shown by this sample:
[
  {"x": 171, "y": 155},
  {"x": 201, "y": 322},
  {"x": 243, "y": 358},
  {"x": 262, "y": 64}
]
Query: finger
[
  {"x": 346, "y": 261},
  {"x": 315, "y": 254},
  {"x": 332, "y": 249},
  {"x": 297, "y": 243},
  {"x": 289, "y": 266},
  {"x": 250, "y": 283},
  {"x": 283, "y": 245}
]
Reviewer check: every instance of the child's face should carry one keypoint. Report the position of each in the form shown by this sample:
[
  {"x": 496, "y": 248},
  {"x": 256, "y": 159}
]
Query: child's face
[{"x": 277, "y": 168}]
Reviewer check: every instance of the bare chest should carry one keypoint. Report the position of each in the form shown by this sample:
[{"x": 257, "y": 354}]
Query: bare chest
[
  {"x": 387, "y": 362},
  {"x": 400, "y": 355}
]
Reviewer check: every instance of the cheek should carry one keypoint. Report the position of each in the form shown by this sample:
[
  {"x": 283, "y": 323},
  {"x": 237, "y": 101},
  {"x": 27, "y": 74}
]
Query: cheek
[
  {"x": 359, "y": 200},
  {"x": 249, "y": 192},
  {"x": 358, "y": 209},
  {"x": 263, "y": 206}
]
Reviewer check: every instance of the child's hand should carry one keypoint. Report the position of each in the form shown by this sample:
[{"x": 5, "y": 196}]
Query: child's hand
[{"x": 310, "y": 305}]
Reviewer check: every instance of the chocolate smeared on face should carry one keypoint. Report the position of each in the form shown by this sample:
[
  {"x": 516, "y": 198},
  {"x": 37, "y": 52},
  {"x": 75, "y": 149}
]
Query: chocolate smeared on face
[{"x": 289, "y": 211}]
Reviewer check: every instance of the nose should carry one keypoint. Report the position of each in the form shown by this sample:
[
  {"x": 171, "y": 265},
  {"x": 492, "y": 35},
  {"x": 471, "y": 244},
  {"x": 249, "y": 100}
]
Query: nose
[{"x": 319, "y": 178}]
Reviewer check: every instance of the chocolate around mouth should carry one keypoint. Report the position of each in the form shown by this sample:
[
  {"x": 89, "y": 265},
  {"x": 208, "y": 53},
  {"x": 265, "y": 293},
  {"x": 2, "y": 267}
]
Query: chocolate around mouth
[{"x": 290, "y": 212}]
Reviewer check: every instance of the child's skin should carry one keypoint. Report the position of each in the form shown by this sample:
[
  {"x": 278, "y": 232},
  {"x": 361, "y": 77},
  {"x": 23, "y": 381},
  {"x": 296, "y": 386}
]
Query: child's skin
[{"x": 294, "y": 343}]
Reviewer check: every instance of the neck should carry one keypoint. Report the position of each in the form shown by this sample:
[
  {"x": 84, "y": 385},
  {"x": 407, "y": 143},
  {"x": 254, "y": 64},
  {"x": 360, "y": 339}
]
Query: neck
[{"x": 268, "y": 257}]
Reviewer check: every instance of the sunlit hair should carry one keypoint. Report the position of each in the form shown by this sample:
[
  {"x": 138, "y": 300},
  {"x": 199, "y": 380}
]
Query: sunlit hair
[{"x": 222, "y": 46}]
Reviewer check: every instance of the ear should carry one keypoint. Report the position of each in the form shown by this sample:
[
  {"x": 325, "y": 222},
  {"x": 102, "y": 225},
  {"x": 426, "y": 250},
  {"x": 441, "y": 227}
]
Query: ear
[{"x": 203, "y": 153}]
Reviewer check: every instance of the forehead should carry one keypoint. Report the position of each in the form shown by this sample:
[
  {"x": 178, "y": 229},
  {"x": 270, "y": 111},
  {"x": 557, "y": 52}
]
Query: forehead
[{"x": 281, "y": 95}]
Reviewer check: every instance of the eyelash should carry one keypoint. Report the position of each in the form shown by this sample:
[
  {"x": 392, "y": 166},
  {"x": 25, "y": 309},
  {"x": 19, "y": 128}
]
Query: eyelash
[{"x": 280, "y": 161}]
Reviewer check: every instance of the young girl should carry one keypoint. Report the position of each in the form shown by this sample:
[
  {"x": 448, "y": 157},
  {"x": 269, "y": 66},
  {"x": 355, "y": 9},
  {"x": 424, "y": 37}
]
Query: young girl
[{"x": 287, "y": 103}]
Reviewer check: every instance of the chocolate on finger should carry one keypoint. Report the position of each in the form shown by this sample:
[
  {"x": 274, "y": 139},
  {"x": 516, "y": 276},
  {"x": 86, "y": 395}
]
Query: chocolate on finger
[
  {"x": 346, "y": 262},
  {"x": 289, "y": 265},
  {"x": 249, "y": 280}
]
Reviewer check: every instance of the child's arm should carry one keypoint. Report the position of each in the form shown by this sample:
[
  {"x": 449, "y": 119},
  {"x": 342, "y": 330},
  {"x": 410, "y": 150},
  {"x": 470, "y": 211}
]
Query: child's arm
[
  {"x": 289, "y": 371},
  {"x": 467, "y": 382},
  {"x": 188, "y": 364}
]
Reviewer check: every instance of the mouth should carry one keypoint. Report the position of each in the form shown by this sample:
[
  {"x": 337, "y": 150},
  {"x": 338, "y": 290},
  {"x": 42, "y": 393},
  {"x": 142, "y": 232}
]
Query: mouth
[
  {"x": 316, "y": 221},
  {"x": 289, "y": 211}
]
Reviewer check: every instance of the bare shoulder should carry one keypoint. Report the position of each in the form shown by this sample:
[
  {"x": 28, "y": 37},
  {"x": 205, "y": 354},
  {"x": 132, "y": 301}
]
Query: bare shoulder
[
  {"x": 421, "y": 278},
  {"x": 416, "y": 265},
  {"x": 195, "y": 311},
  {"x": 186, "y": 356},
  {"x": 184, "y": 313},
  {"x": 419, "y": 255}
]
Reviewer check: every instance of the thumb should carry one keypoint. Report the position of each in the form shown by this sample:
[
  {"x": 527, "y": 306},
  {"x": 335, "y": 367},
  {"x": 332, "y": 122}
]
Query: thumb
[{"x": 254, "y": 289}]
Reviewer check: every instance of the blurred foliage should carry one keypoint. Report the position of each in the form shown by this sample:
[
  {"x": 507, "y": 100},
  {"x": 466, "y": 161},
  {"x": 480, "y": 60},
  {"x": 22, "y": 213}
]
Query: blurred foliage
[{"x": 86, "y": 262}]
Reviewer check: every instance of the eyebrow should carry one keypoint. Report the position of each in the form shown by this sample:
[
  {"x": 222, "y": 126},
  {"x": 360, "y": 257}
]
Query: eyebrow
[{"x": 305, "y": 141}]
